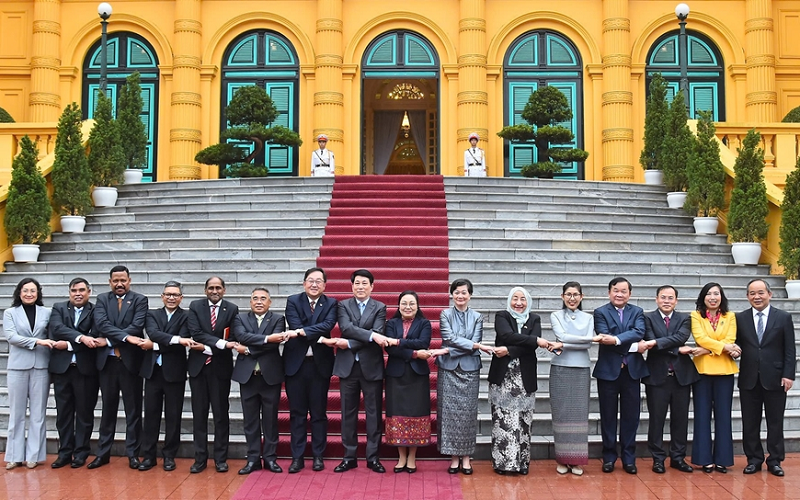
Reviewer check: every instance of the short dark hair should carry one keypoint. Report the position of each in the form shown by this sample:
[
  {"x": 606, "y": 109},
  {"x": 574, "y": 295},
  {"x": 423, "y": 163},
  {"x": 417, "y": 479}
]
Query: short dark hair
[
  {"x": 315, "y": 270},
  {"x": 119, "y": 269},
  {"x": 700, "y": 304},
  {"x": 17, "y": 300},
  {"x": 617, "y": 280},
  {"x": 419, "y": 314},
  {"x": 766, "y": 285},
  {"x": 364, "y": 274},
  {"x": 173, "y": 284},
  {"x": 461, "y": 282},
  {"x": 664, "y": 287},
  {"x": 76, "y": 281},
  {"x": 567, "y": 286},
  {"x": 214, "y": 277},
  {"x": 260, "y": 288}
]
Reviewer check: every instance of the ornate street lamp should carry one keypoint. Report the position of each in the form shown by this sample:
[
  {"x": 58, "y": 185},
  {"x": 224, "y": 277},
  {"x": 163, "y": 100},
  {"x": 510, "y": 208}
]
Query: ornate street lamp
[
  {"x": 682, "y": 11},
  {"x": 104, "y": 10}
]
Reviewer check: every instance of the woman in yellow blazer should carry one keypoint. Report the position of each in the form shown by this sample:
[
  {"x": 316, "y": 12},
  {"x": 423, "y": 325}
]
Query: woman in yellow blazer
[{"x": 714, "y": 332}]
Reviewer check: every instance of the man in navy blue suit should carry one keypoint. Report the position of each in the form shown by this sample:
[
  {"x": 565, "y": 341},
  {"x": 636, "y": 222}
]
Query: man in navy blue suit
[{"x": 619, "y": 369}]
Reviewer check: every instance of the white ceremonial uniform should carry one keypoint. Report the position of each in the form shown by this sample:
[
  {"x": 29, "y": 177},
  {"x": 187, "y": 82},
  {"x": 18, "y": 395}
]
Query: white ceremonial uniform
[
  {"x": 322, "y": 163},
  {"x": 474, "y": 163}
]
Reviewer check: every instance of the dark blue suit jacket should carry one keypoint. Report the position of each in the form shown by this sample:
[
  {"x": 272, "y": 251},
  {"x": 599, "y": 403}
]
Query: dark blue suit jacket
[
  {"x": 609, "y": 358},
  {"x": 419, "y": 337},
  {"x": 316, "y": 325}
]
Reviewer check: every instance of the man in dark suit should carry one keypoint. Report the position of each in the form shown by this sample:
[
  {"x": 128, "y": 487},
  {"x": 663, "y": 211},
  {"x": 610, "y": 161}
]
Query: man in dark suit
[
  {"x": 672, "y": 373},
  {"x": 309, "y": 365},
  {"x": 359, "y": 366},
  {"x": 119, "y": 317},
  {"x": 211, "y": 321},
  {"x": 74, "y": 370},
  {"x": 766, "y": 372},
  {"x": 619, "y": 368},
  {"x": 164, "y": 372},
  {"x": 259, "y": 371}
]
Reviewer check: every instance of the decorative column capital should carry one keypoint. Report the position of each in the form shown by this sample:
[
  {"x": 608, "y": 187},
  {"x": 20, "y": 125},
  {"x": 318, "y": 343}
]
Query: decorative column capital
[
  {"x": 758, "y": 24},
  {"x": 43, "y": 26},
  {"x": 617, "y": 134},
  {"x": 329, "y": 24},
  {"x": 188, "y": 26},
  {"x": 472, "y": 24},
  {"x": 616, "y": 24}
]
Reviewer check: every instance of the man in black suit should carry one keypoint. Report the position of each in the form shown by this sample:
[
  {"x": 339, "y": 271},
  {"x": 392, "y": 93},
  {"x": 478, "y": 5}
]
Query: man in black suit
[
  {"x": 259, "y": 371},
  {"x": 211, "y": 321},
  {"x": 359, "y": 366},
  {"x": 766, "y": 372},
  {"x": 74, "y": 370},
  {"x": 164, "y": 371},
  {"x": 119, "y": 317},
  {"x": 672, "y": 373},
  {"x": 311, "y": 316}
]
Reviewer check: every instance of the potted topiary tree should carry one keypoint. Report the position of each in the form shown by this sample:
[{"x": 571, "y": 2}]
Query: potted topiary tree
[
  {"x": 706, "y": 178},
  {"x": 250, "y": 113},
  {"x": 678, "y": 147},
  {"x": 747, "y": 224},
  {"x": 5, "y": 117},
  {"x": 546, "y": 108},
  {"x": 28, "y": 211},
  {"x": 790, "y": 233},
  {"x": 134, "y": 147},
  {"x": 105, "y": 155},
  {"x": 655, "y": 131},
  {"x": 792, "y": 116},
  {"x": 72, "y": 179}
]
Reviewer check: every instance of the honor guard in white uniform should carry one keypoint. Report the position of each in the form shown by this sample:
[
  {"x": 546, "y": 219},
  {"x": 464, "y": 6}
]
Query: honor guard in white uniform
[
  {"x": 322, "y": 161},
  {"x": 474, "y": 158}
]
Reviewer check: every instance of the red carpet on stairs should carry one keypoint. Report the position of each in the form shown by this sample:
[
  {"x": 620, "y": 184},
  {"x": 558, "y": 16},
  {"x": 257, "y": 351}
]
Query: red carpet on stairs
[{"x": 396, "y": 227}]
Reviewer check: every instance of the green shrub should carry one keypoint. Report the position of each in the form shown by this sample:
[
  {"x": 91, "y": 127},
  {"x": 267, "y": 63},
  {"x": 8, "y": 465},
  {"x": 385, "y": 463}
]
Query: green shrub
[
  {"x": 5, "y": 117},
  {"x": 790, "y": 225},
  {"x": 678, "y": 146},
  {"x": 28, "y": 211},
  {"x": 72, "y": 178},
  {"x": 655, "y": 124},
  {"x": 705, "y": 172},
  {"x": 105, "y": 151},
  {"x": 792, "y": 116},
  {"x": 749, "y": 204},
  {"x": 129, "y": 120}
]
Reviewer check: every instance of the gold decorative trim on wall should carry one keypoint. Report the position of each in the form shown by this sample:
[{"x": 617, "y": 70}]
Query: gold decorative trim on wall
[
  {"x": 191, "y": 98},
  {"x": 472, "y": 24},
  {"x": 617, "y": 134},
  {"x": 190, "y": 62},
  {"x": 471, "y": 60},
  {"x": 616, "y": 60},
  {"x": 761, "y": 97},
  {"x": 188, "y": 25},
  {"x": 329, "y": 98},
  {"x": 42, "y": 26},
  {"x": 617, "y": 97},
  {"x": 473, "y": 97},
  {"x": 616, "y": 24},
  {"x": 329, "y": 24},
  {"x": 759, "y": 23},
  {"x": 185, "y": 134}
]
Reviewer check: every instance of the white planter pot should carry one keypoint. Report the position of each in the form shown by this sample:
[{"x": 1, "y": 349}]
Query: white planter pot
[
  {"x": 104, "y": 196},
  {"x": 653, "y": 177},
  {"x": 706, "y": 225},
  {"x": 793, "y": 289},
  {"x": 25, "y": 253},
  {"x": 72, "y": 223},
  {"x": 675, "y": 199},
  {"x": 133, "y": 176},
  {"x": 746, "y": 253}
]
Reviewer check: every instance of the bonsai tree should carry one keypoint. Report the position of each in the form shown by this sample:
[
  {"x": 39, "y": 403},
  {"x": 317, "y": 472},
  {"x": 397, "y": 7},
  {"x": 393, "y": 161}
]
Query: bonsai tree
[
  {"x": 250, "y": 113},
  {"x": 28, "y": 209},
  {"x": 105, "y": 150},
  {"x": 5, "y": 117},
  {"x": 655, "y": 124},
  {"x": 790, "y": 225},
  {"x": 546, "y": 108},
  {"x": 72, "y": 179},
  {"x": 705, "y": 173},
  {"x": 129, "y": 110},
  {"x": 792, "y": 116},
  {"x": 749, "y": 204},
  {"x": 677, "y": 146}
]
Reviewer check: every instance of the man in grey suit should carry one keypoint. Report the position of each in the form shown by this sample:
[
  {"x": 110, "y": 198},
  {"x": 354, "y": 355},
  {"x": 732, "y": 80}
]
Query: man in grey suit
[{"x": 359, "y": 366}]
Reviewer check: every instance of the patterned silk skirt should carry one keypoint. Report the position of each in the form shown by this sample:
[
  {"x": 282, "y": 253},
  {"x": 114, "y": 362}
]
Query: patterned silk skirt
[
  {"x": 569, "y": 403},
  {"x": 408, "y": 409},
  {"x": 512, "y": 415},
  {"x": 457, "y": 408}
]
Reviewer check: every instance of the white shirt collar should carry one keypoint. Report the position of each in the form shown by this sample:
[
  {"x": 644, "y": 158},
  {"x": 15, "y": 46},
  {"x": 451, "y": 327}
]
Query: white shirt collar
[{"x": 765, "y": 312}]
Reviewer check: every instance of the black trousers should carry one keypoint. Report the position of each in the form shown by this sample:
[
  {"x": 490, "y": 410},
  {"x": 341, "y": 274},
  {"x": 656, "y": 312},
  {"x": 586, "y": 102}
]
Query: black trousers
[
  {"x": 675, "y": 397},
  {"x": 210, "y": 390},
  {"x": 351, "y": 389},
  {"x": 307, "y": 391},
  {"x": 623, "y": 393},
  {"x": 115, "y": 378},
  {"x": 260, "y": 408},
  {"x": 159, "y": 393},
  {"x": 774, "y": 405},
  {"x": 76, "y": 397}
]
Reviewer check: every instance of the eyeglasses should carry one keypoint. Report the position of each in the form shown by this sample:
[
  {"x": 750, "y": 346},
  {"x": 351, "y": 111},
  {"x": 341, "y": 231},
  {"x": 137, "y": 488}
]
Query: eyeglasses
[
  {"x": 259, "y": 299},
  {"x": 572, "y": 295},
  {"x": 172, "y": 295},
  {"x": 315, "y": 282}
]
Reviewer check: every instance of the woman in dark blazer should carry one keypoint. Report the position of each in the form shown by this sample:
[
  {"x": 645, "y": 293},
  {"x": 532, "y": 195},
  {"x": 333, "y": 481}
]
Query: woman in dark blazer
[
  {"x": 408, "y": 390},
  {"x": 512, "y": 382}
]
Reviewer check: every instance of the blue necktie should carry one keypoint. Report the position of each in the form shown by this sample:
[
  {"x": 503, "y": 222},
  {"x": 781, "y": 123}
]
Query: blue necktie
[
  {"x": 361, "y": 307},
  {"x": 760, "y": 326}
]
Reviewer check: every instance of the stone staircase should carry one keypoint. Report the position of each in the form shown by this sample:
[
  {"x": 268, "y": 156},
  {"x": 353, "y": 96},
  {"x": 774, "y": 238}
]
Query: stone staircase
[{"x": 503, "y": 232}]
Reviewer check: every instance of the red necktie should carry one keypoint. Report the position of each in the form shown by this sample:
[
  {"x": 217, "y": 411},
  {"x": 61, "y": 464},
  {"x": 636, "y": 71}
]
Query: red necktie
[{"x": 213, "y": 317}]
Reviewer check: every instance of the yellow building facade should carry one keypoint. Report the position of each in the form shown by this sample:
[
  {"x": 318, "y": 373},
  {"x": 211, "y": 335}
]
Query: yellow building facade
[{"x": 351, "y": 69}]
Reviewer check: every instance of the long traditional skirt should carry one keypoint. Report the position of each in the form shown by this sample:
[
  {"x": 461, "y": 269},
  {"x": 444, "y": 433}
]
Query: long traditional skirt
[
  {"x": 512, "y": 415},
  {"x": 408, "y": 409},
  {"x": 569, "y": 403},
  {"x": 457, "y": 409}
]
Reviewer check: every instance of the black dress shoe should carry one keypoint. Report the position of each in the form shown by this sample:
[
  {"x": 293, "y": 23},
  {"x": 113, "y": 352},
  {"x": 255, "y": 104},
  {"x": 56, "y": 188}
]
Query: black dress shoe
[
  {"x": 501, "y": 472},
  {"x": 658, "y": 467},
  {"x": 133, "y": 462},
  {"x": 398, "y": 470},
  {"x": 629, "y": 468},
  {"x": 411, "y": 470},
  {"x": 523, "y": 471},
  {"x": 467, "y": 471},
  {"x": 77, "y": 463},
  {"x": 775, "y": 470},
  {"x": 751, "y": 469},
  {"x": 221, "y": 466},
  {"x": 297, "y": 465},
  {"x": 721, "y": 468},
  {"x": 708, "y": 469},
  {"x": 169, "y": 464},
  {"x": 272, "y": 466},
  {"x": 98, "y": 462},
  {"x": 454, "y": 470},
  {"x": 319, "y": 464},
  {"x": 346, "y": 464},
  {"x": 608, "y": 467},
  {"x": 376, "y": 466},
  {"x": 60, "y": 462},
  {"x": 198, "y": 467},
  {"x": 147, "y": 464},
  {"x": 250, "y": 467},
  {"x": 681, "y": 466}
]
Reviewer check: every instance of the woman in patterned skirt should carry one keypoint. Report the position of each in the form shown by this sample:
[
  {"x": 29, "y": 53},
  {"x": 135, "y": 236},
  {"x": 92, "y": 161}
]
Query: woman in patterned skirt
[
  {"x": 512, "y": 382},
  {"x": 408, "y": 390},
  {"x": 569, "y": 380}
]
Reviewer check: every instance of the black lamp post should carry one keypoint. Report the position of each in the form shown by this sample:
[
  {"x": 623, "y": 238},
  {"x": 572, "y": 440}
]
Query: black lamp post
[
  {"x": 104, "y": 10},
  {"x": 682, "y": 11}
]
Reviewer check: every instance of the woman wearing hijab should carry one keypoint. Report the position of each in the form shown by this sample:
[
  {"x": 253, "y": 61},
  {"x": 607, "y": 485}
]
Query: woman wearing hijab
[{"x": 512, "y": 382}]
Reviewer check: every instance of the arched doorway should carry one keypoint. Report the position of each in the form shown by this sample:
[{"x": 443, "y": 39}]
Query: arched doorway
[
  {"x": 536, "y": 59},
  {"x": 266, "y": 59},
  {"x": 126, "y": 53},
  {"x": 400, "y": 88},
  {"x": 706, "y": 71}
]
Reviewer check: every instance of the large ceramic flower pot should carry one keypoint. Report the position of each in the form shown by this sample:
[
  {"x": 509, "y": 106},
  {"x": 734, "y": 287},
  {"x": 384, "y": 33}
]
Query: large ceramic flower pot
[
  {"x": 104, "y": 196},
  {"x": 72, "y": 223},
  {"x": 746, "y": 253},
  {"x": 132, "y": 176},
  {"x": 706, "y": 225},
  {"x": 25, "y": 253},
  {"x": 676, "y": 199},
  {"x": 793, "y": 289},
  {"x": 653, "y": 177}
]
